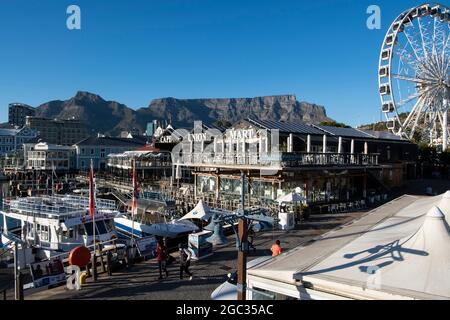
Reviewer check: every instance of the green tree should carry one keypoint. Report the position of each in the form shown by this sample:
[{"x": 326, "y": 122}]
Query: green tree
[{"x": 334, "y": 124}]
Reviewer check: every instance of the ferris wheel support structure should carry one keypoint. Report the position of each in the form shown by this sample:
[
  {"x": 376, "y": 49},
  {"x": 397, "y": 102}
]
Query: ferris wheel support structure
[{"x": 414, "y": 74}]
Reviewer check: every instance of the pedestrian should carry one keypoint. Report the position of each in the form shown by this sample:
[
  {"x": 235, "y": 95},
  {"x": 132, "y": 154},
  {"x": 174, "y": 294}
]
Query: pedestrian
[
  {"x": 185, "y": 261},
  {"x": 276, "y": 248},
  {"x": 250, "y": 239},
  {"x": 161, "y": 255}
]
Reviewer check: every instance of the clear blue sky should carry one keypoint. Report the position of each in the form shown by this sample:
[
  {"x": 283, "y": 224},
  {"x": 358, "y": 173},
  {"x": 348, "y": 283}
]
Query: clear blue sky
[{"x": 137, "y": 50}]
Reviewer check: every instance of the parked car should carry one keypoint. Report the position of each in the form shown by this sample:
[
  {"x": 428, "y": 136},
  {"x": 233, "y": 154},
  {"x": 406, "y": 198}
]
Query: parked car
[{"x": 228, "y": 289}]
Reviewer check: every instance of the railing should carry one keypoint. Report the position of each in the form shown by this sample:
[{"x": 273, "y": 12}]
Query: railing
[
  {"x": 284, "y": 159},
  {"x": 334, "y": 159},
  {"x": 53, "y": 207}
]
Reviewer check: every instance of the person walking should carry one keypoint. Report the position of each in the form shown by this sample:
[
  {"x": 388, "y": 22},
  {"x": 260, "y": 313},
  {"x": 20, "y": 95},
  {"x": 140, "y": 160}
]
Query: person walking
[
  {"x": 276, "y": 248},
  {"x": 161, "y": 255},
  {"x": 185, "y": 261},
  {"x": 250, "y": 240}
]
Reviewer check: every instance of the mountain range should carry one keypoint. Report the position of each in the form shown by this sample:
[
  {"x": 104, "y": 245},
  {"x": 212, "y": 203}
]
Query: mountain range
[{"x": 112, "y": 117}]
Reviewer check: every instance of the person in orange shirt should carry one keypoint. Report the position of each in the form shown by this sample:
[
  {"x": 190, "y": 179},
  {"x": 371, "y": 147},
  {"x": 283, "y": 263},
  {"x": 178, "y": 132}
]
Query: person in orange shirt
[{"x": 276, "y": 248}]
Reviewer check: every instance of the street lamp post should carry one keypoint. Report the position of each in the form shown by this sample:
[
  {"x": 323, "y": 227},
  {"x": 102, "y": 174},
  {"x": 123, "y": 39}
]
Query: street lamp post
[{"x": 242, "y": 249}]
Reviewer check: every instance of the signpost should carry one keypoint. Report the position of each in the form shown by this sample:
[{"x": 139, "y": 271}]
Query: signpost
[
  {"x": 47, "y": 273},
  {"x": 146, "y": 246}
]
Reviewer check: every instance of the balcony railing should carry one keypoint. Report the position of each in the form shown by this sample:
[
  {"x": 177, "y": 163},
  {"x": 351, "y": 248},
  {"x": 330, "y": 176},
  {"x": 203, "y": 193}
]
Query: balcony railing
[{"x": 283, "y": 160}]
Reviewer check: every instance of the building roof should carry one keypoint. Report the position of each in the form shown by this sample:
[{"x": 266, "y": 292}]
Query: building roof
[
  {"x": 148, "y": 148},
  {"x": 284, "y": 127},
  {"x": 343, "y": 132},
  {"x": 19, "y": 104},
  {"x": 111, "y": 142},
  {"x": 407, "y": 241},
  {"x": 49, "y": 146},
  {"x": 9, "y": 132},
  {"x": 384, "y": 135}
]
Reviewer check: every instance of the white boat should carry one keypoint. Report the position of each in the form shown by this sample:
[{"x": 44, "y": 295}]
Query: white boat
[
  {"x": 172, "y": 229},
  {"x": 51, "y": 225}
]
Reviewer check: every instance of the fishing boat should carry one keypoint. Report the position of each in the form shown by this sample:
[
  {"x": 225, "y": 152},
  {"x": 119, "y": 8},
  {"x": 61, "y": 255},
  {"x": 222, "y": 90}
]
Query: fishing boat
[{"x": 45, "y": 226}]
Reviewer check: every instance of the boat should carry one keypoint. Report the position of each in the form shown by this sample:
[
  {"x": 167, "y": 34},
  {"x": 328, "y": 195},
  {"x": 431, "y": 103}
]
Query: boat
[
  {"x": 45, "y": 226},
  {"x": 171, "y": 229},
  {"x": 155, "y": 217}
]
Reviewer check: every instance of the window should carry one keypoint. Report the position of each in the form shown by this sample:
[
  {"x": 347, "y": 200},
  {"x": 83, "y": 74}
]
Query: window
[
  {"x": 261, "y": 294},
  {"x": 101, "y": 227},
  {"x": 88, "y": 228}
]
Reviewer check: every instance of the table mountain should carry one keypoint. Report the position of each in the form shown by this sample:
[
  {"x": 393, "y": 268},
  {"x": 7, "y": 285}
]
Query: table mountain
[{"x": 112, "y": 117}]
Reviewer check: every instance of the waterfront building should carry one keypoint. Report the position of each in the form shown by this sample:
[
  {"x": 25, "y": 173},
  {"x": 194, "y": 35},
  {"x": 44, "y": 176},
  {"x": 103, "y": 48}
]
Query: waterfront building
[
  {"x": 98, "y": 149},
  {"x": 50, "y": 157},
  {"x": 17, "y": 113},
  {"x": 13, "y": 139},
  {"x": 385, "y": 255},
  {"x": 326, "y": 164},
  {"x": 56, "y": 131},
  {"x": 152, "y": 164}
]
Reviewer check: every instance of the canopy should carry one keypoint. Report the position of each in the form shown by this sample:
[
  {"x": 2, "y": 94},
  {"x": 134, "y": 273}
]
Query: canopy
[
  {"x": 201, "y": 211},
  {"x": 291, "y": 198}
]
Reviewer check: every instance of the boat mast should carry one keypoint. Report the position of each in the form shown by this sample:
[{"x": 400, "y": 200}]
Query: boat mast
[
  {"x": 133, "y": 202},
  {"x": 92, "y": 201}
]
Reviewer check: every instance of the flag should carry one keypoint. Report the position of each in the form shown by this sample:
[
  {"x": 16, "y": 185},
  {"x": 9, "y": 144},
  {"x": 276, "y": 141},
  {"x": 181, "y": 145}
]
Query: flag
[
  {"x": 134, "y": 200},
  {"x": 91, "y": 192}
]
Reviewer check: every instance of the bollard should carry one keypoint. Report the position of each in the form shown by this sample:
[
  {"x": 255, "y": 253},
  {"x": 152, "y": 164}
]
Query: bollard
[
  {"x": 102, "y": 262},
  {"x": 21, "y": 293},
  {"x": 94, "y": 267},
  {"x": 88, "y": 270},
  {"x": 4, "y": 294},
  {"x": 108, "y": 262}
]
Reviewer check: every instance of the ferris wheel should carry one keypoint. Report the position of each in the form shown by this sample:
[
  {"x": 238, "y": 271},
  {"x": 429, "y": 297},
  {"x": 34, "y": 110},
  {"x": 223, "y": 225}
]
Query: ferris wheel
[{"x": 414, "y": 74}]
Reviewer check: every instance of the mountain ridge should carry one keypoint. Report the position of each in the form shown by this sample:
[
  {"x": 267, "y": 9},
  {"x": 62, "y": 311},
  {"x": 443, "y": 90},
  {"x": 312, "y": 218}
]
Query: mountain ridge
[{"x": 112, "y": 117}]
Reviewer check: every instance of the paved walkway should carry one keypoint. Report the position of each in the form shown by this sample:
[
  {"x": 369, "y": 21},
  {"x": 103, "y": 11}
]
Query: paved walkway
[{"x": 141, "y": 280}]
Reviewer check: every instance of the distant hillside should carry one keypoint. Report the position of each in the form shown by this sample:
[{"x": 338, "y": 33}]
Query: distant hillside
[
  {"x": 183, "y": 112},
  {"x": 378, "y": 126},
  {"x": 112, "y": 117}
]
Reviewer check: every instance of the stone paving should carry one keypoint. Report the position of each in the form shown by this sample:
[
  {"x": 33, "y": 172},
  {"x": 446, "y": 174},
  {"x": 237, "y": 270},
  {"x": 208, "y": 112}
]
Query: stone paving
[{"x": 141, "y": 280}]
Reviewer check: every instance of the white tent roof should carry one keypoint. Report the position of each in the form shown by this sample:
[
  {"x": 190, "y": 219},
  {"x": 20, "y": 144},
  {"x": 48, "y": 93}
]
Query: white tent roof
[
  {"x": 291, "y": 198},
  {"x": 444, "y": 205},
  {"x": 201, "y": 211},
  {"x": 400, "y": 250}
]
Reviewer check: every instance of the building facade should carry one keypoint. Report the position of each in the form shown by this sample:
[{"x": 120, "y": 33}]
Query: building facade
[
  {"x": 50, "y": 157},
  {"x": 98, "y": 149},
  {"x": 13, "y": 139},
  {"x": 327, "y": 164},
  {"x": 152, "y": 164},
  {"x": 59, "y": 132},
  {"x": 17, "y": 113}
]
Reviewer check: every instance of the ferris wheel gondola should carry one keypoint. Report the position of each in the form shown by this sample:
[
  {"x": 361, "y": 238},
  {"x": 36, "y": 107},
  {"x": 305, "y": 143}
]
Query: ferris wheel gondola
[{"x": 414, "y": 74}]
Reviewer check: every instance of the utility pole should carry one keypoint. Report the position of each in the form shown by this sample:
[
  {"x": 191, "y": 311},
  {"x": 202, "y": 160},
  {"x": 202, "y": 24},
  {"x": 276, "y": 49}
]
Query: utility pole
[{"x": 242, "y": 249}]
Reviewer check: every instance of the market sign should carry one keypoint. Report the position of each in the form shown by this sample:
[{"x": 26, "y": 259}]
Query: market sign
[
  {"x": 168, "y": 139},
  {"x": 198, "y": 137},
  {"x": 241, "y": 134}
]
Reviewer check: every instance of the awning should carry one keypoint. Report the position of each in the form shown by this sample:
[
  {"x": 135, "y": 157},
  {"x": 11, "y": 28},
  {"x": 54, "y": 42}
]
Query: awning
[
  {"x": 291, "y": 198},
  {"x": 201, "y": 211}
]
